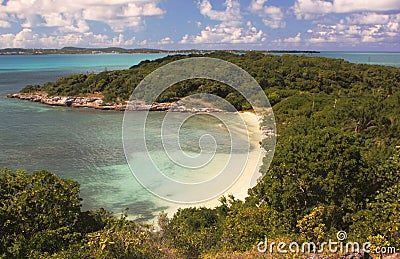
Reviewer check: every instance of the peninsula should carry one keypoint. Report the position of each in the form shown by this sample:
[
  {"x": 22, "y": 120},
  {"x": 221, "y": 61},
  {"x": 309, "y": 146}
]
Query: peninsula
[
  {"x": 96, "y": 102},
  {"x": 280, "y": 77}
]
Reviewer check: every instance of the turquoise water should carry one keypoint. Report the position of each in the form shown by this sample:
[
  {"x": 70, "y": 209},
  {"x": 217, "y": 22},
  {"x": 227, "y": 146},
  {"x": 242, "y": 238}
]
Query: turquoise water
[
  {"x": 85, "y": 144},
  {"x": 81, "y": 144},
  {"x": 81, "y": 62}
]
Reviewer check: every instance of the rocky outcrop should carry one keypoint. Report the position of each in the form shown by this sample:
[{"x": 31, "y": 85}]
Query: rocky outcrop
[
  {"x": 174, "y": 107},
  {"x": 97, "y": 103},
  {"x": 72, "y": 101}
]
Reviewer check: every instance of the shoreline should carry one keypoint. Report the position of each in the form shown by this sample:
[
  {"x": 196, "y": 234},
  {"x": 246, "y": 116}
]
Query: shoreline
[
  {"x": 239, "y": 189},
  {"x": 96, "y": 102},
  {"x": 69, "y": 101},
  {"x": 249, "y": 176}
]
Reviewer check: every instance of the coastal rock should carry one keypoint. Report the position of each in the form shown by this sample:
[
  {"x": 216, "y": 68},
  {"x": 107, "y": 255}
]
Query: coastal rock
[
  {"x": 97, "y": 103},
  {"x": 72, "y": 101}
]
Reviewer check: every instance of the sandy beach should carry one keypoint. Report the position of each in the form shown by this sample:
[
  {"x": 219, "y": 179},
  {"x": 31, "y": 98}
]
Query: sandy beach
[{"x": 250, "y": 174}]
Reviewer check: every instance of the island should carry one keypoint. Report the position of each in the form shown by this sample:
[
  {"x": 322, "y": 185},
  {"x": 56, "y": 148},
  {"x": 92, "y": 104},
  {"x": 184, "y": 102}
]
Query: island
[{"x": 117, "y": 50}]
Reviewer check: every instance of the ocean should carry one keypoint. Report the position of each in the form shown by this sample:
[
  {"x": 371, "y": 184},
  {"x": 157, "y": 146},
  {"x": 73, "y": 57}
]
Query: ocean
[
  {"x": 80, "y": 144},
  {"x": 371, "y": 58},
  {"x": 85, "y": 144}
]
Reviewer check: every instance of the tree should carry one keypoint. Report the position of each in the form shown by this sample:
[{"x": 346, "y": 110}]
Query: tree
[
  {"x": 320, "y": 167},
  {"x": 380, "y": 220},
  {"x": 39, "y": 212},
  {"x": 312, "y": 227},
  {"x": 193, "y": 231},
  {"x": 246, "y": 225},
  {"x": 123, "y": 238}
]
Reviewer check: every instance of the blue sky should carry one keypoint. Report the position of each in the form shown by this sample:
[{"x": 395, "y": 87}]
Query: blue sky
[{"x": 349, "y": 25}]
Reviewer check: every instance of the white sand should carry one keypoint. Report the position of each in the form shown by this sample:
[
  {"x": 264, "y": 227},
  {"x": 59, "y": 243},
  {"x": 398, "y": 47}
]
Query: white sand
[{"x": 250, "y": 174}]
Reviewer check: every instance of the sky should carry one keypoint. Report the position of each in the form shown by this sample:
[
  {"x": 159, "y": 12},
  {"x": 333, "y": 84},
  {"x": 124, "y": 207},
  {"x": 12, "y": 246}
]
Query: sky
[{"x": 336, "y": 25}]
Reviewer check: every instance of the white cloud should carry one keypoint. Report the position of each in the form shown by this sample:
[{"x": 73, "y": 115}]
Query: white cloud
[
  {"x": 289, "y": 42},
  {"x": 345, "y": 6},
  {"x": 223, "y": 34},
  {"x": 165, "y": 41},
  {"x": 141, "y": 8},
  {"x": 185, "y": 39},
  {"x": 20, "y": 39},
  {"x": 309, "y": 9},
  {"x": 4, "y": 21},
  {"x": 369, "y": 18},
  {"x": 366, "y": 21},
  {"x": 56, "y": 20},
  {"x": 134, "y": 23},
  {"x": 29, "y": 39},
  {"x": 5, "y": 24},
  {"x": 359, "y": 28},
  {"x": 327, "y": 33},
  {"x": 294, "y": 39},
  {"x": 230, "y": 15},
  {"x": 271, "y": 16},
  {"x": 257, "y": 5},
  {"x": 68, "y": 22},
  {"x": 323, "y": 39},
  {"x": 25, "y": 37},
  {"x": 142, "y": 43},
  {"x": 121, "y": 41},
  {"x": 231, "y": 28},
  {"x": 79, "y": 26},
  {"x": 119, "y": 14}
]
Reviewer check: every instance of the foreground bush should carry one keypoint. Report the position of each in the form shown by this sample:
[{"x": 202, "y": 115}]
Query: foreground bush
[{"x": 40, "y": 217}]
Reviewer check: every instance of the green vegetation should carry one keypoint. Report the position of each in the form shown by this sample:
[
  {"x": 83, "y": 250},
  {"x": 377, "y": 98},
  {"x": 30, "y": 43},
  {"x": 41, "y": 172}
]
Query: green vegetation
[
  {"x": 279, "y": 76},
  {"x": 336, "y": 167},
  {"x": 40, "y": 216}
]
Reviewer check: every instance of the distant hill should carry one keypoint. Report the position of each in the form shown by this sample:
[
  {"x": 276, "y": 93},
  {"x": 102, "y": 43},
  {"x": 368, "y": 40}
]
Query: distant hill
[
  {"x": 110, "y": 50},
  {"x": 78, "y": 50}
]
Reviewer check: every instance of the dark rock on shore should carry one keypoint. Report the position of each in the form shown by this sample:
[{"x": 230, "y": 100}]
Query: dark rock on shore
[{"x": 71, "y": 101}]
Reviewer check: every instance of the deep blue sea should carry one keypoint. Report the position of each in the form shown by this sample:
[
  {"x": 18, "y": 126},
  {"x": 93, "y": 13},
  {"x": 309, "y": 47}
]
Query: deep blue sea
[{"x": 85, "y": 144}]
